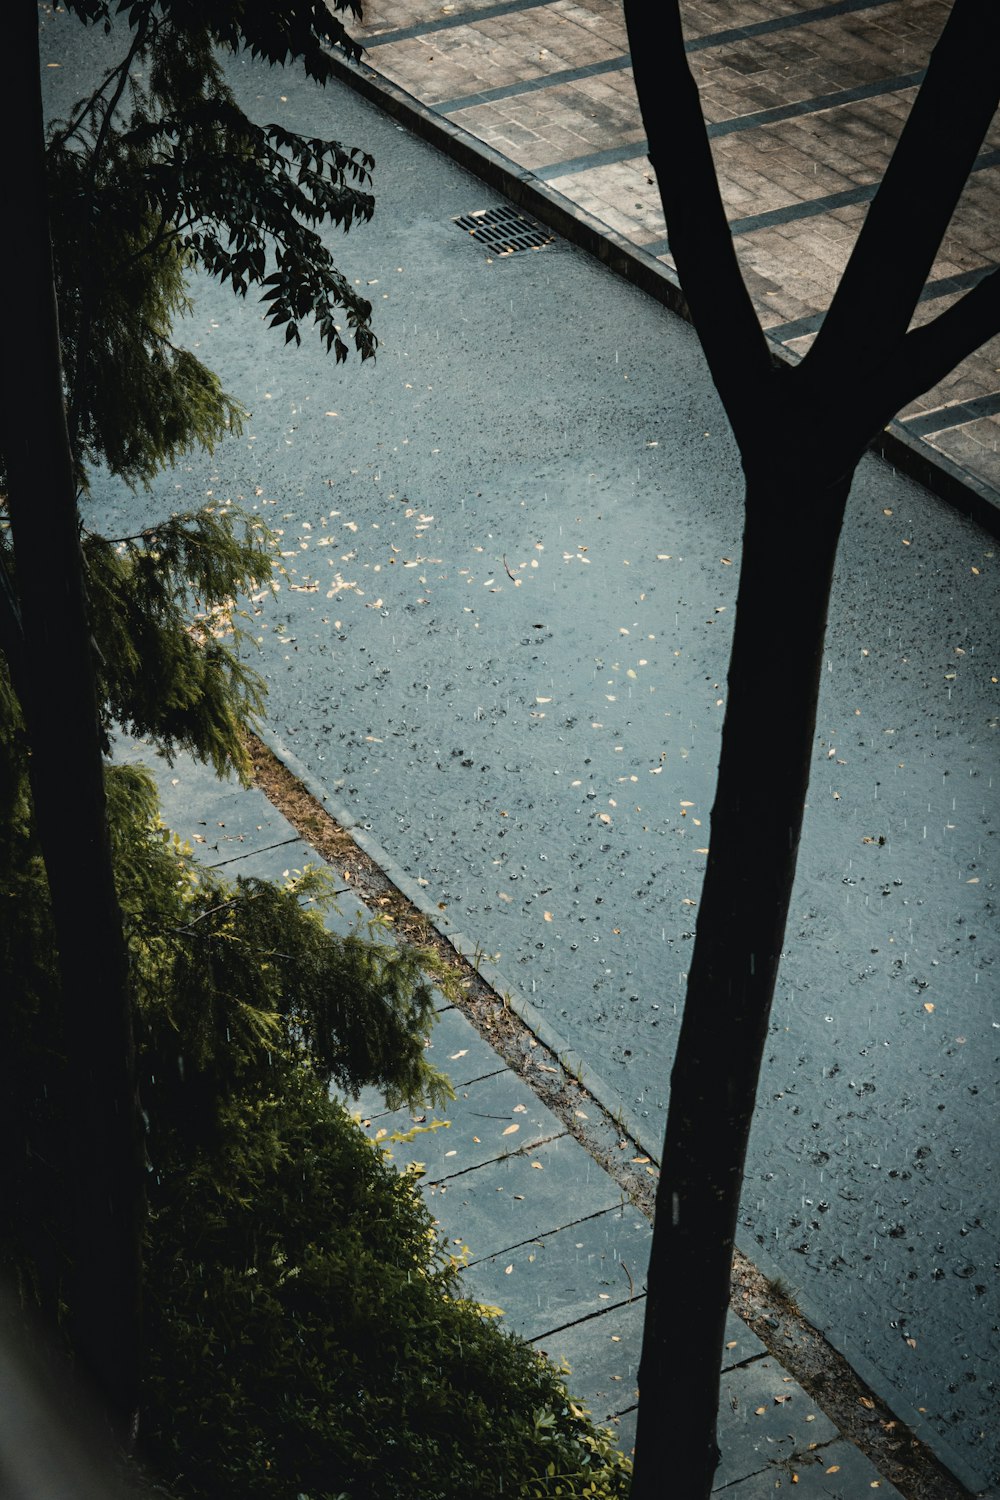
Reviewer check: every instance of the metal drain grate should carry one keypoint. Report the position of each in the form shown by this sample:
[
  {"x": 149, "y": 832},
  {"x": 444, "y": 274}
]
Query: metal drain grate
[{"x": 503, "y": 231}]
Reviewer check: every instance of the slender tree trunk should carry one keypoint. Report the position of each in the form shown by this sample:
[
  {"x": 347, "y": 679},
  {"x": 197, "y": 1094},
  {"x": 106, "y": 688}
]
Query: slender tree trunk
[
  {"x": 864, "y": 366},
  {"x": 103, "y": 1156},
  {"x": 767, "y": 748}
]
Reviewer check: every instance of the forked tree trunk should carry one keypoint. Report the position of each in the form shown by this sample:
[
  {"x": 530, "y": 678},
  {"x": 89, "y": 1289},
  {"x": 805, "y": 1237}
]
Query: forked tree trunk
[
  {"x": 767, "y": 746},
  {"x": 102, "y": 1167},
  {"x": 816, "y": 420}
]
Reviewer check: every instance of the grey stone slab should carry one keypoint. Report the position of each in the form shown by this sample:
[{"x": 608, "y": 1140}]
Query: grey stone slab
[
  {"x": 741, "y": 1343},
  {"x": 488, "y": 1119},
  {"x": 603, "y": 1358},
  {"x": 572, "y": 1274},
  {"x": 221, "y": 819},
  {"x": 455, "y": 1047},
  {"x": 623, "y": 1427},
  {"x": 520, "y": 1197},
  {"x": 603, "y": 1354},
  {"x": 366, "y": 1106},
  {"x": 834, "y": 1471},
  {"x": 351, "y": 915},
  {"x": 272, "y": 862},
  {"x": 764, "y": 1418}
]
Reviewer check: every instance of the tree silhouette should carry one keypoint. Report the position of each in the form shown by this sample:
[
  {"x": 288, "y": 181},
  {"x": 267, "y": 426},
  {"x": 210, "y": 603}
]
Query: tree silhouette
[
  {"x": 142, "y": 182},
  {"x": 53, "y": 676},
  {"x": 801, "y": 431}
]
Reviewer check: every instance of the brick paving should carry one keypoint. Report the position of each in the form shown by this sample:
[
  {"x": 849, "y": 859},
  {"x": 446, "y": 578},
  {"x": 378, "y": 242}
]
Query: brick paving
[{"x": 803, "y": 102}]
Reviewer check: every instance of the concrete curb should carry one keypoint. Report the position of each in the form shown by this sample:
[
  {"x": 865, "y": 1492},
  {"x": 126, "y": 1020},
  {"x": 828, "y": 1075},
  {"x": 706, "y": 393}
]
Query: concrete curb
[
  {"x": 912, "y": 457},
  {"x": 569, "y": 1059}
]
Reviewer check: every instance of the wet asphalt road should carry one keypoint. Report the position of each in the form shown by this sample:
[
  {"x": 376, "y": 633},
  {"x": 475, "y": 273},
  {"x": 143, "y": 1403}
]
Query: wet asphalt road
[{"x": 511, "y": 550}]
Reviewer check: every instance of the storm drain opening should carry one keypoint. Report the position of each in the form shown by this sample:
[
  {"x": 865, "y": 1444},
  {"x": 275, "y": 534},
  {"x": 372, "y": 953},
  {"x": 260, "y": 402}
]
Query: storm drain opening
[{"x": 504, "y": 231}]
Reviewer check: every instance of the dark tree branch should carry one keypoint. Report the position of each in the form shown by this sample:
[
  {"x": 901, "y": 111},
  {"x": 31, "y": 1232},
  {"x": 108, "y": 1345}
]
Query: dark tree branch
[
  {"x": 927, "y": 354},
  {"x": 85, "y": 109},
  {"x": 87, "y": 298},
  {"x": 700, "y": 241},
  {"x": 124, "y": 68},
  {"x": 923, "y": 182}
]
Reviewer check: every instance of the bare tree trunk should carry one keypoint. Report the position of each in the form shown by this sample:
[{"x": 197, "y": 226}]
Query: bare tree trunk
[
  {"x": 767, "y": 745},
  {"x": 801, "y": 433},
  {"x": 103, "y": 1157}
]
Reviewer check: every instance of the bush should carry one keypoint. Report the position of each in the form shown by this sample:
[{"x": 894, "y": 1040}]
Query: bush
[
  {"x": 306, "y": 1333},
  {"x": 308, "y": 1336}
]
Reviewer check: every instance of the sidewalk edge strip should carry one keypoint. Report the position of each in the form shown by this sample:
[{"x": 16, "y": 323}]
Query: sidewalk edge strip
[
  {"x": 569, "y": 1060},
  {"x": 867, "y": 1372}
]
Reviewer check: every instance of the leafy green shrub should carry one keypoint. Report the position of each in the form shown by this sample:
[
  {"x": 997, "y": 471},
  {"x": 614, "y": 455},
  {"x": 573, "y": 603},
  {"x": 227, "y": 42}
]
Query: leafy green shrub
[{"x": 306, "y": 1333}]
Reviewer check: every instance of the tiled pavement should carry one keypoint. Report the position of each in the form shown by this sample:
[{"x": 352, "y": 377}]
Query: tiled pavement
[
  {"x": 550, "y": 1237},
  {"x": 803, "y": 101}
]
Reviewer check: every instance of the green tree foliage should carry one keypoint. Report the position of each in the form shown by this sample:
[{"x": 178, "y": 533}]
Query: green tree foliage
[
  {"x": 174, "y": 650},
  {"x": 156, "y": 173},
  {"x": 160, "y": 171},
  {"x": 235, "y": 985},
  {"x": 321, "y": 1339}
]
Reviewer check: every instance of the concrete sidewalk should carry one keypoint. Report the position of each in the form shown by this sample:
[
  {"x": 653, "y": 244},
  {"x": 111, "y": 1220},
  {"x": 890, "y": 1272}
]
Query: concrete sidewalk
[
  {"x": 551, "y": 1238},
  {"x": 803, "y": 105}
]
